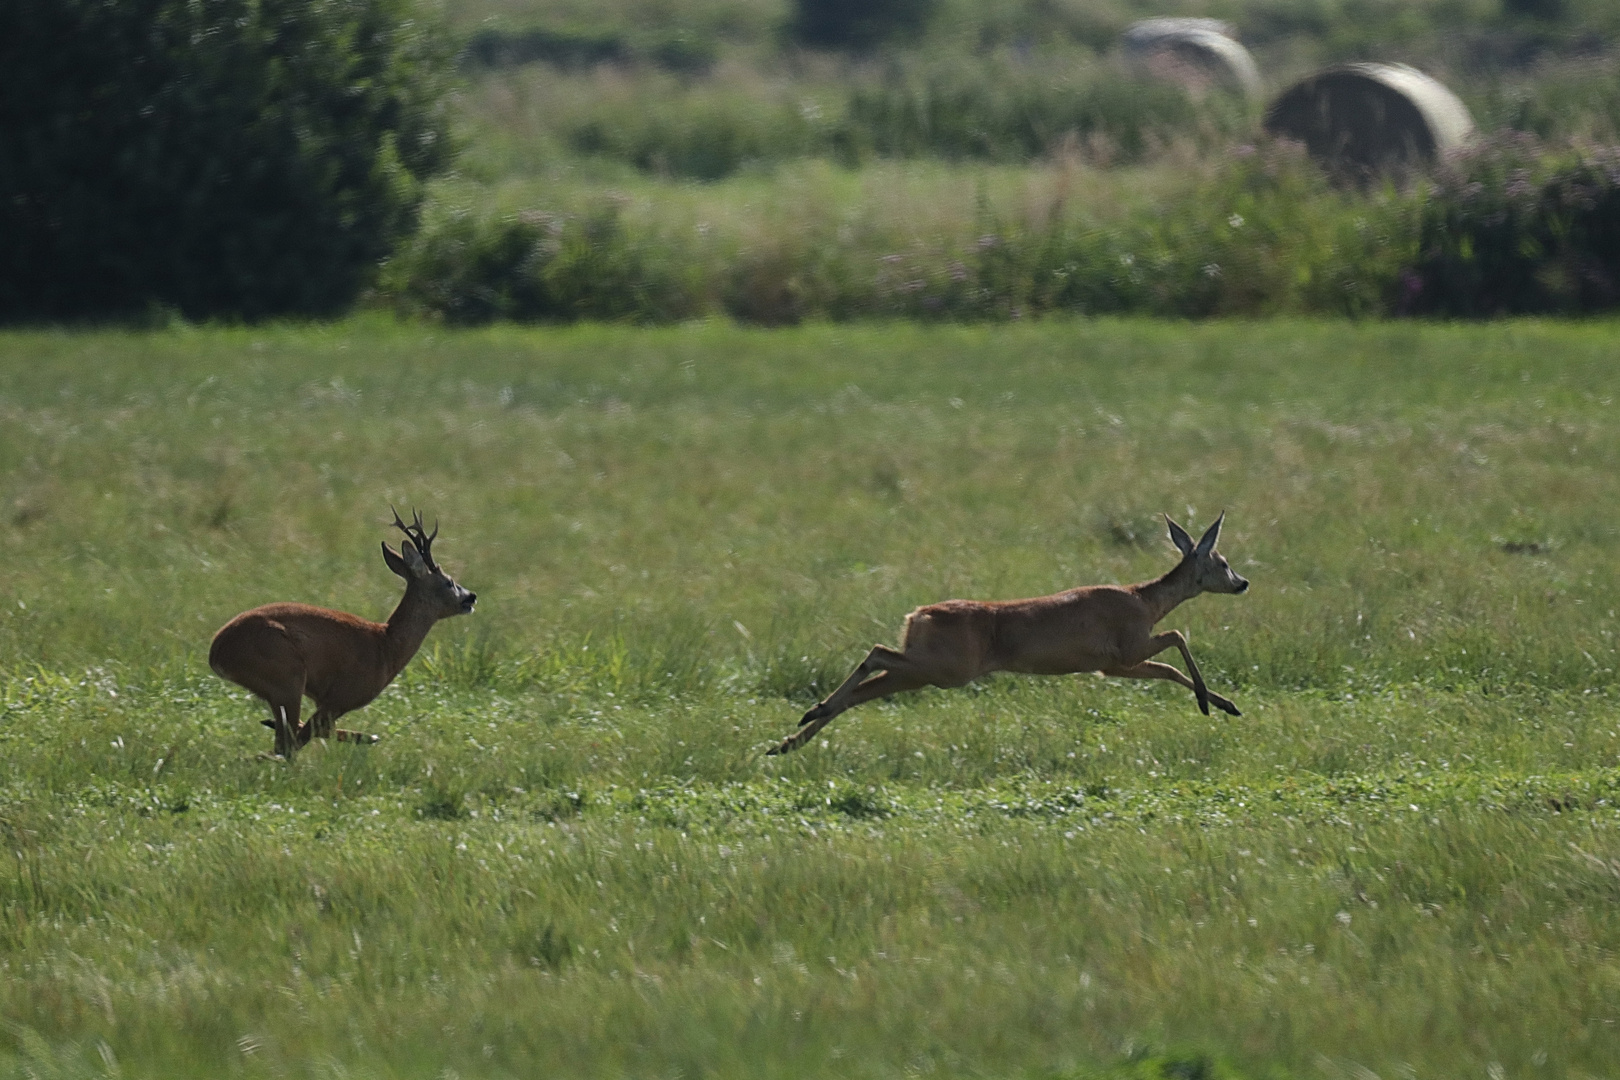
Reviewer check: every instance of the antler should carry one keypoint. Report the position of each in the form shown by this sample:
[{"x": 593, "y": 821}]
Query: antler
[{"x": 418, "y": 536}]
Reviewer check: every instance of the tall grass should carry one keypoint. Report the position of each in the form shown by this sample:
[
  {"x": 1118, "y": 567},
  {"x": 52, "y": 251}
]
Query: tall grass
[{"x": 1002, "y": 108}]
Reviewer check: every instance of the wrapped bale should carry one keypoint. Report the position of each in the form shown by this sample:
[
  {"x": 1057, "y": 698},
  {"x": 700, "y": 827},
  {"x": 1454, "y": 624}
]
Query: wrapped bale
[
  {"x": 1364, "y": 120},
  {"x": 1198, "y": 54}
]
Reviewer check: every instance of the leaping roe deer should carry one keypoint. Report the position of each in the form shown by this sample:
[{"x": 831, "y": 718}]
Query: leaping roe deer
[
  {"x": 1106, "y": 628},
  {"x": 286, "y": 652}
]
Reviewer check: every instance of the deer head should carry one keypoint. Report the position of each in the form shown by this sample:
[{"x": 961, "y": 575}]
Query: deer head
[
  {"x": 414, "y": 562},
  {"x": 1210, "y": 570}
]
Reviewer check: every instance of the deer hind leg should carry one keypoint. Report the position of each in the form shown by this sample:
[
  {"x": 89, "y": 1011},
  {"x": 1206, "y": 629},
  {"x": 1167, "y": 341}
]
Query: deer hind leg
[
  {"x": 259, "y": 658},
  {"x": 885, "y": 671}
]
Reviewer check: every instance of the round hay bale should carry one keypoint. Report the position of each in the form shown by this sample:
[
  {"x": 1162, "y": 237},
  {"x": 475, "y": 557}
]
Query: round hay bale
[
  {"x": 1199, "y": 54},
  {"x": 1361, "y": 120}
]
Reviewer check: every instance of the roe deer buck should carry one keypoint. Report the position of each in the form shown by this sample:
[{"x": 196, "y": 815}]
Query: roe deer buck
[
  {"x": 1106, "y": 628},
  {"x": 286, "y": 652}
]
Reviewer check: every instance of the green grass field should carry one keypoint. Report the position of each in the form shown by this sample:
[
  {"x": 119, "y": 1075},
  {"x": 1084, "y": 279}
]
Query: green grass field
[{"x": 568, "y": 856}]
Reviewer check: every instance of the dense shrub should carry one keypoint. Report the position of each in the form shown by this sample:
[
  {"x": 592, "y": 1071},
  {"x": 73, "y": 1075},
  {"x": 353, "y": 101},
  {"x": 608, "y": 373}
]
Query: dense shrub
[
  {"x": 858, "y": 24},
  {"x": 1265, "y": 235},
  {"x": 538, "y": 267},
  {"x": 1508, "y": 228},
  {"x": 238, "y": 158},
  {"x": 1512, "y": 229}
]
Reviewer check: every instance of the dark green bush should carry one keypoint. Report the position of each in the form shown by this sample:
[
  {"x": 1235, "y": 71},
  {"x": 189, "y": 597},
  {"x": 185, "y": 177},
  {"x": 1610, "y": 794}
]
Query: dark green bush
[
  {"x": 858, "y": 24},
  {"x": 468, "y": 271},
  {"x": 226, "y": 158},
  {"x": 1510, "y": 228},
  {"x": 1266, "y": 235},
  {"x": 539, "y": 268}
]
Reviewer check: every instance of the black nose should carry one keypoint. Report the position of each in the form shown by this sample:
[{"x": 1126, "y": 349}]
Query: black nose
[{"x": 1243, "y": 587}]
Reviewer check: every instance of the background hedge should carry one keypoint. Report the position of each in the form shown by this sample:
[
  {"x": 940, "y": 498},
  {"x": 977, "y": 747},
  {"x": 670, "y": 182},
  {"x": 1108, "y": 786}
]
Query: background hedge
[{"x": 225, "y": 158}]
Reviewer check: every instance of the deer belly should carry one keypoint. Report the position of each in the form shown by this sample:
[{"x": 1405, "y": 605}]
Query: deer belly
[
  {"x": 342, "y": 691},
  {"x": 343, "y": 698},
  {"x": 1057, "y": 662},
  {"x": 1038, "y": 653}
]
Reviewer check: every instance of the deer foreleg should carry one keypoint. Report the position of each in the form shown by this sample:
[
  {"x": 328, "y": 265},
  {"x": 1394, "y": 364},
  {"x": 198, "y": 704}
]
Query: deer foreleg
[
  {"x": 1160, "y": 642},
  {"x": 301, "y": 733},
  {"x": 1152, "y": 669},
  {"x": 320, "y": 726},
  {"x": 1205, "y": 694}
]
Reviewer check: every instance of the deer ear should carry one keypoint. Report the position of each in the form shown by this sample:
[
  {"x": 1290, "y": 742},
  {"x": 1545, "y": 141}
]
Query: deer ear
[
  {"x": 395, "y": 563},
  {"x": 1179, "y": 537},
  {"x": 1206, "y": 543},
  {"x": 413, "y": 559}
]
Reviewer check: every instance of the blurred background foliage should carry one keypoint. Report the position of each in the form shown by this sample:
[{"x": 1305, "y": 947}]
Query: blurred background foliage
[
  {"x": 216, "y": 157},
  {"x": 773, "y": 160}
]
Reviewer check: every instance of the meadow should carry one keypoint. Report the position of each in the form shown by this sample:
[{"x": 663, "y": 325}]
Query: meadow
[{"x": 568, "y": 854}]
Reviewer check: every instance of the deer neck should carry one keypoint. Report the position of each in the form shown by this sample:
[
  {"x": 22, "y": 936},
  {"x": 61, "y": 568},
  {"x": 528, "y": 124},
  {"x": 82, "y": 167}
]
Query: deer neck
[
  {"x": 407, "y": 628},
  {"x": 1164, "y": 594}
]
